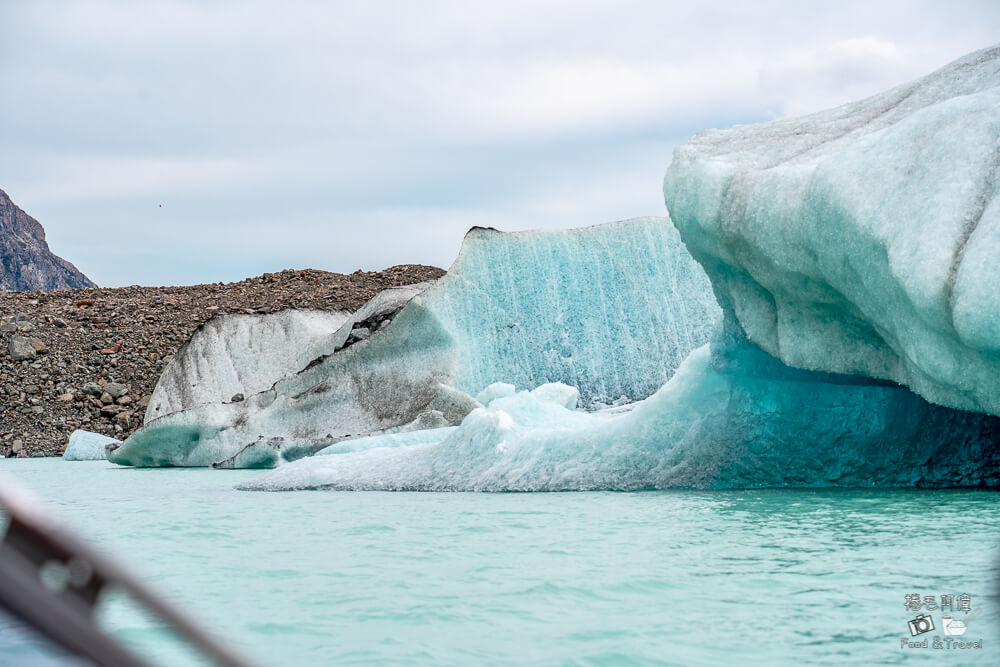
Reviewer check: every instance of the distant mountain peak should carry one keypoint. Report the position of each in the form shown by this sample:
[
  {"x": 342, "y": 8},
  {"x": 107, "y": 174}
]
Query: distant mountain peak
[{"x": 26, "y": 263}]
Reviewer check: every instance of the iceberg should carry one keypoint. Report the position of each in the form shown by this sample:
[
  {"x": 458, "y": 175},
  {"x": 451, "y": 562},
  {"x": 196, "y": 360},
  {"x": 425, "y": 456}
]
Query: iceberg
[
  {"x": 87, "y": 446},
  {"x": 233, "y": 356},
  {"x": 610, "y": 310},
  {"x": 731, "y": 417},
  {"x": 862, "y": 240},
  {"x": 236, "y": 355}
]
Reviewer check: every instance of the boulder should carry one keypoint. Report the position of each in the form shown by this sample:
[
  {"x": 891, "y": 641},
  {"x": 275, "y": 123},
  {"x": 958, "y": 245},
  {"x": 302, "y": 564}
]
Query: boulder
[{"x": 21, "y": 348}]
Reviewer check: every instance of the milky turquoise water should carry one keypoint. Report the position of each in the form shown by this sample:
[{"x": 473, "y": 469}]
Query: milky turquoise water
[{"x": 744, "y": 577}]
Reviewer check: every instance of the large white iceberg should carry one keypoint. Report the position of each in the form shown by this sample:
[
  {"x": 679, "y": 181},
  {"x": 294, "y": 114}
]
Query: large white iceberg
[
  {"x": 611, "y": 310},
  {"x": 232, "y": 356},
  {"x": 865, "y": 239}
]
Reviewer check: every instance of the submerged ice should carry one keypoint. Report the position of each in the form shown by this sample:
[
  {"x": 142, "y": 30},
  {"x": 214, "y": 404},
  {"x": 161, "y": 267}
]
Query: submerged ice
[{"x": 610, "y": 310}]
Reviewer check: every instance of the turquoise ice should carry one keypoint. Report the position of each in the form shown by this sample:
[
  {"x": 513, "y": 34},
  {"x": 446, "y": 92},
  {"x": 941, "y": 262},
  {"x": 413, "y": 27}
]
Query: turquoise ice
[
  {"x": 612, "y": 309},
  {"x": 850, "y": 250},
  {"x": 864, "y": 239}
]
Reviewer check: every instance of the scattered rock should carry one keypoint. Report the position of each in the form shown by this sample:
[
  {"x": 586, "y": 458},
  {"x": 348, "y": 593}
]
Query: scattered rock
[
  {"x": 39, "y": 344},
  {"x": 21, "y": 348},
  {"x": 116, "y": 389},
  {"x": 235, "y": 399}
]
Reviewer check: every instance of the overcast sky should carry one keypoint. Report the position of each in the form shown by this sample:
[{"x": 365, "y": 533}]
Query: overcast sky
[{"x": 186, "y": 142}]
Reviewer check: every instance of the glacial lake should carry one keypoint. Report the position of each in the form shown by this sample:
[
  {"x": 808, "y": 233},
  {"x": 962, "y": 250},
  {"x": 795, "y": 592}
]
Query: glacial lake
[{"x": 682, "y": 577}]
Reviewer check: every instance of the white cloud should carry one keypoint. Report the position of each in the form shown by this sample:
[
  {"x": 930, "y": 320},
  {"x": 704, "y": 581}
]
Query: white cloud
[
  {"x": 361, "y": 132},
  {"x": 109, "y": 177},
  {"x": 804, "y": 81}
]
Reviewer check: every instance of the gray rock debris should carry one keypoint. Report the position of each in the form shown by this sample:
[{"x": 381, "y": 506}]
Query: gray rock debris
[{"x": 21, "y": 348}]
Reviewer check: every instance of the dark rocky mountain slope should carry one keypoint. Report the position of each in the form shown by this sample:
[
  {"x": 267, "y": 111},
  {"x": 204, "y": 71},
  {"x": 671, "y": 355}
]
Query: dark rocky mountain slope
[{"x": 26, "y": 263}]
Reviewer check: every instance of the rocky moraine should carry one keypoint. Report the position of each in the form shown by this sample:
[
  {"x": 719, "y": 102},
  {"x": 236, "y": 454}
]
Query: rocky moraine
[{"x": 89, "y": 358}]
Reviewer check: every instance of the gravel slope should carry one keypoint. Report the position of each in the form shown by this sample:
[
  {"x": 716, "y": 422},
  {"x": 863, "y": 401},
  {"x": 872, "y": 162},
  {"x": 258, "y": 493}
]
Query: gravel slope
[{"x": 67, "y": 355}]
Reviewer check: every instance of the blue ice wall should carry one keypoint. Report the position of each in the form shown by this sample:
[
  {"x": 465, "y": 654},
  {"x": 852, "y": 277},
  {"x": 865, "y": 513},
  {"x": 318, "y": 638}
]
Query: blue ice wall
[{"x": 612, "y": 309}]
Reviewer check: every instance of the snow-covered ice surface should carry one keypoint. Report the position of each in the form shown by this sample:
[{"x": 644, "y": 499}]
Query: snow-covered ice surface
[
  {"x": 241, "y": 354},
  {"x": 732, "y": 418},
  {"x": 611, "y": 310},
  {"x": 86, "y": 446},
  {"x": 864, "y": 239}
]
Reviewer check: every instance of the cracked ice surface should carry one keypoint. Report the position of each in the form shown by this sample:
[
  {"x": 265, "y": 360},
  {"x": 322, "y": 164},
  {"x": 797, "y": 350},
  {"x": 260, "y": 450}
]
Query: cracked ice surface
[
  {"x": 864, "y": 239},
  {"x": 241, "y": 354}
]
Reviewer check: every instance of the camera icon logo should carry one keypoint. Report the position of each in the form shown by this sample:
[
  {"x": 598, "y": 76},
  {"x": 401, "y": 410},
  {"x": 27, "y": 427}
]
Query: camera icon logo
[{"x": 921, "y": 624}]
